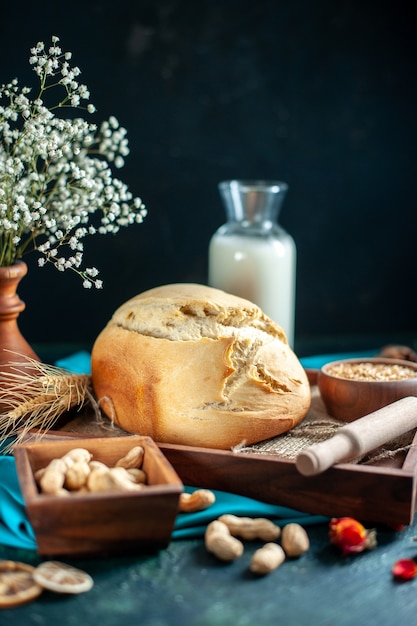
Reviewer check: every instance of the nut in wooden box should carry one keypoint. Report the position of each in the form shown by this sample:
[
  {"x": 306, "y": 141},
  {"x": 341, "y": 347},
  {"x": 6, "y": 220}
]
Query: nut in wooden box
[{"x": 100, "y": 523}]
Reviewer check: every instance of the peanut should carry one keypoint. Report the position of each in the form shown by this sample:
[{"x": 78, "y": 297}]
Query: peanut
[
  {"x": 122, "y": 479},
  {"x": 267, "y": 559},
  {"x": 199, "y": 500},
  {"x": 134, "y": 458},
  {"x": 137, "y": 475},
  {"x": 98, "y": 479},
  {"x": 75, "y": 455},
  {"x": 76, "y": 475},
  {"x": 219, "y": 542},
  {"x": 53, "y": 478},
  {"x": 251, "y": 528},
  {"x": 76, "y": 472},
  {"x": 294, "y": 540},
  {"x": 111, "y": 479},
  {"x": 98, "y": 465},
  {"x": 39, "y": 473}
]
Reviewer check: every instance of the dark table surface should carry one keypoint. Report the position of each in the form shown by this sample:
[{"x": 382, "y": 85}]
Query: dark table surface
[{"x": 184, "y": 584}]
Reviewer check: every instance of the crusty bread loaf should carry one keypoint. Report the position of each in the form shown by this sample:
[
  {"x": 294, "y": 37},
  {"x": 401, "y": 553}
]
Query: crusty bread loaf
[{"x": 193, "y": 365}]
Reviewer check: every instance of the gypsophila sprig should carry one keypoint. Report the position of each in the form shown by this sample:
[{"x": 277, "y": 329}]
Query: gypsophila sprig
[{"x": 56, "y": 180}]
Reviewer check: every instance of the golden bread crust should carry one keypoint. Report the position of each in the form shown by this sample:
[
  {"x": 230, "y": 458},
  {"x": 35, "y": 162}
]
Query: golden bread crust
[{"x": 192, "y": 365}]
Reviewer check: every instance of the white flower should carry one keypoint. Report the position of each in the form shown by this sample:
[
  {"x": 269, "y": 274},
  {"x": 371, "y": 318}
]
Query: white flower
[{"x": 55, "y": 172}]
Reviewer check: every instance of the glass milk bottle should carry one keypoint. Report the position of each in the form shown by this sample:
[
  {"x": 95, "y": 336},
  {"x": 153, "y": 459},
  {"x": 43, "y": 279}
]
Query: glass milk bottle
[{"x": 251, "y": 255}]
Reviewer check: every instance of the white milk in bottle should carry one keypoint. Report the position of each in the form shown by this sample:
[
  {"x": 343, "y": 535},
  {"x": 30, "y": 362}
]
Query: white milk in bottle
[{"x": 251, "y": 255}]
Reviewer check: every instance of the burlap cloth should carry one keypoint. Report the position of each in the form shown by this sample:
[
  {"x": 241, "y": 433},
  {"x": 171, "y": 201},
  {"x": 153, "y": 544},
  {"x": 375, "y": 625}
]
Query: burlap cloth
[{"x": 316, "y": 427}]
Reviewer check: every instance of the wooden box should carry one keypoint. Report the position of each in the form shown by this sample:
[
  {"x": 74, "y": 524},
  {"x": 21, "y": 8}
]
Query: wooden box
[{"x": 104, "y": 522}]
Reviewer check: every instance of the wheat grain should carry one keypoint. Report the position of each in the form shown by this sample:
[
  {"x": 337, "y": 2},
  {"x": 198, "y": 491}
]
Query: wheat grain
[{"x": 37, "y": 394}]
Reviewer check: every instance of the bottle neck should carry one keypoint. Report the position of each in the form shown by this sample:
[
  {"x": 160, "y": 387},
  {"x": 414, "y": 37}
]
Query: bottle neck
[{"x": 253, "y": 204}]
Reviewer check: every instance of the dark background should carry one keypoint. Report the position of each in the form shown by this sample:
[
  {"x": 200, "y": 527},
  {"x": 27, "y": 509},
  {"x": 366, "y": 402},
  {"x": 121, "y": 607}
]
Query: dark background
[{"x": 318, "y": 94}]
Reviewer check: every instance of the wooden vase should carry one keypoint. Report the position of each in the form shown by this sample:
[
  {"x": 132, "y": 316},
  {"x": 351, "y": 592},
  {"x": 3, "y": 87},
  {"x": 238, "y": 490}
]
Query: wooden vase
[{"x": 13, "y": 346}]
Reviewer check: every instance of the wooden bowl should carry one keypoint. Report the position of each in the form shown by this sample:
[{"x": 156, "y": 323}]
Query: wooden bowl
[
  {"x": 347, "y": 399},
  {"x": 100, "y": 523}
]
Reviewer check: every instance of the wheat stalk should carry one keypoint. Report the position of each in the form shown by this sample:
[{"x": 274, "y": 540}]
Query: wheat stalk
[{"x": 37, "y": 394}]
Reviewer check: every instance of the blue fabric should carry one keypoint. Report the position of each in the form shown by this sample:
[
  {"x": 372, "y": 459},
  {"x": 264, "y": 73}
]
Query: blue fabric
[
  {"x": 189, "y": 525},
  {"x": 79, "y": 363},
  {"x": 316, "y": 362},
  {"x": 16, "y": 531}
]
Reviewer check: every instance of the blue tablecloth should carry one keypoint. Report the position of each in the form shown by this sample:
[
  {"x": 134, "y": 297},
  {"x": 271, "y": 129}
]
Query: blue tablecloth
[{"x": 16, "y": 531}]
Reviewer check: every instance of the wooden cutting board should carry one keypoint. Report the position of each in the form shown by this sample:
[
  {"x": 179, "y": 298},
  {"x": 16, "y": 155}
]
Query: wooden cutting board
[{"x": 378, "y": 489}]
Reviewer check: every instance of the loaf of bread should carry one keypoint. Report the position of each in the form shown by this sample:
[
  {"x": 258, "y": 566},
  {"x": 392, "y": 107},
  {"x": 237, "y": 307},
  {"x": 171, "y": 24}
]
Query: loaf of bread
[{"x": 192, "y": 365}]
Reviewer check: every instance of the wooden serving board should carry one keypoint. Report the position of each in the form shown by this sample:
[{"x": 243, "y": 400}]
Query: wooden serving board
[
  {"x": 377, "y": 494},
  {"x": 383, "y": 492}
]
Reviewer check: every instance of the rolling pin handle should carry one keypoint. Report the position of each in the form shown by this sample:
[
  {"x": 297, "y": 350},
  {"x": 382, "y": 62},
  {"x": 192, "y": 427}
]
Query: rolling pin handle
[
  {"x": 360, "y": 437},
  {"x": 320, "y": 457}
]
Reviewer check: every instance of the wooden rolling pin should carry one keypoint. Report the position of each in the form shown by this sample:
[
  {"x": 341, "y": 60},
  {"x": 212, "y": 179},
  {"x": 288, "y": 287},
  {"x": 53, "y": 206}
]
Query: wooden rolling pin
[{"x": 360, "y": 437}]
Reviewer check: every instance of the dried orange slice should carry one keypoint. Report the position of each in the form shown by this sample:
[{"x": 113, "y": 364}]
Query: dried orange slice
[
  {"x": 62, "y": 578},
  {"x": 17, "y": 585}
]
